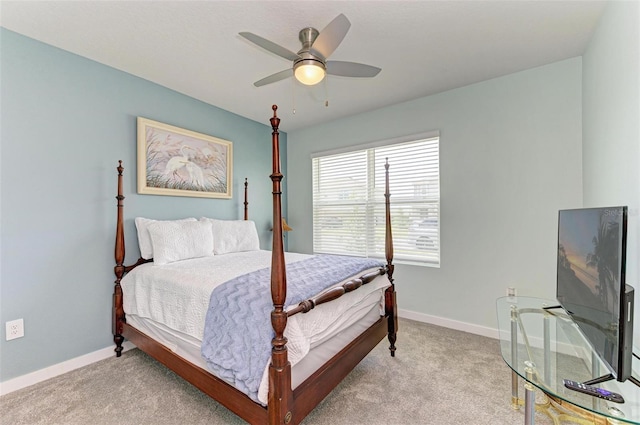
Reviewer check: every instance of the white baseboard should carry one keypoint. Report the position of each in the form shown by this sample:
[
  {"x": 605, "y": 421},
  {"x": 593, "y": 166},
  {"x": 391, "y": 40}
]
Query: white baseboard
[
  {"x": 41, "y": 375},
  {"x": 537, "y": 342},
  {"x": 32, "y": 378},
  {"x": 449, "y": 323}
]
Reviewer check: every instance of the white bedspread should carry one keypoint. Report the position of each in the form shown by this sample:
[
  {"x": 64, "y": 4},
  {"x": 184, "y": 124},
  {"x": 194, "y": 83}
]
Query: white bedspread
[{"x": 177, "y": 296}]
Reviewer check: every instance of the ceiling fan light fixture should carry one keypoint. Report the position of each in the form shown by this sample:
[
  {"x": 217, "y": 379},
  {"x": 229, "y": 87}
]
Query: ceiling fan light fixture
[
  {"x": 309, "y": 64},
  {"x": 309, "y": 71}
]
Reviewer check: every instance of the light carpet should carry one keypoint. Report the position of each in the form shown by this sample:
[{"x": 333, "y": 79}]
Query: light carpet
[{"x": 439, "y": 376}]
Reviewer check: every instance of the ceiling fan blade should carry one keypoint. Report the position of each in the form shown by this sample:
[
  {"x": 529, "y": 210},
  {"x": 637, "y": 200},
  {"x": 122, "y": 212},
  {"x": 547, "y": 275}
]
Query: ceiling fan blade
[
  {"x": 274, "y": 77},
  {"x": 351, "y": 69},
  {"x": 270, "y": 46},
  {"x": 330, "y": 37}
]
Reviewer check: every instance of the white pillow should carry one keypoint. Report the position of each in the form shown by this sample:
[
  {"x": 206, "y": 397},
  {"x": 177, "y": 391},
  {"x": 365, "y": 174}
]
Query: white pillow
[
  {"x": 180, "y": 240},
  {"x": 233, "y": 235},
  {"x": 144, "y": 239}
]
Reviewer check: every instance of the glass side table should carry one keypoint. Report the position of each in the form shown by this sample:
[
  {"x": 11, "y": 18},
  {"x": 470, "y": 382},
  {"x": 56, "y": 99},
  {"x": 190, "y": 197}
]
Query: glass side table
[{"x": 543, "y": 346}]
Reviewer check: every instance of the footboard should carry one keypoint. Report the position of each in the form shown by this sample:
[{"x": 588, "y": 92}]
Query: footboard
[{"x": 335, "y": 292}]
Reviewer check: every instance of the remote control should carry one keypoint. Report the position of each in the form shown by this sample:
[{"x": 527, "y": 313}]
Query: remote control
[{"x": 594, "y": 391}]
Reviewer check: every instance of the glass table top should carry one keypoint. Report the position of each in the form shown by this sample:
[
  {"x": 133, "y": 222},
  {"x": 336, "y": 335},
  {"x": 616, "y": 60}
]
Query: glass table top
[{"x": 548, "y": 345}]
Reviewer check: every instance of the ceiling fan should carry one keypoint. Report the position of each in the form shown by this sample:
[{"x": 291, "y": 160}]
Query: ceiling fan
[{"x": 310, "y": 64}]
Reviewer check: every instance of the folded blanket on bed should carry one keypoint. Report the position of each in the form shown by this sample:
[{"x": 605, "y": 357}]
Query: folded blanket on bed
[{"x": 238, "y": 333}]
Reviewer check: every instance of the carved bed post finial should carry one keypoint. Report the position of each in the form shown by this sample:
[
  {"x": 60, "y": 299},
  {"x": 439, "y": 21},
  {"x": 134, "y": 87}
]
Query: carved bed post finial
[
  {"x": 119, "y": 269},
  {"x": 280, "y": 392},
  {"x": 246, "y": 202},
  {"x": 390, "y": 293}
]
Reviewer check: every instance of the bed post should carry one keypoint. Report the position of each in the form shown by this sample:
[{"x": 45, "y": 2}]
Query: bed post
[
  {"x": 390, "y": 294},
  {"x": 280, "y": 392},
  {"x": 119, "y": 269},
  {"x": 246, "y": 203}
]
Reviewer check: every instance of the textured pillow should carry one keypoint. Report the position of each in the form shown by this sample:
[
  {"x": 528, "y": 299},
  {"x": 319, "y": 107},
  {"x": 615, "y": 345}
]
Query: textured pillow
[
  {"x": 180, "y": 240},
  {"x": 144, "y": 239},
  {"x": 233, "y": 235}
]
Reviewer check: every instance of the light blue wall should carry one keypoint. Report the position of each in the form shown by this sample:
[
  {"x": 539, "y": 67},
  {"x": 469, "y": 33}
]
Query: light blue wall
[
  {"x": 510, "y": 157},
  {"x": 66, "y": 121},
  {"x": 511, "y": 151},
  {"x": 611, "y": 123}
]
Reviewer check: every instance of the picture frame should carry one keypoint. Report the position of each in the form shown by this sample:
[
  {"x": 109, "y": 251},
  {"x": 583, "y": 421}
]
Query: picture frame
[{"x": 173, "y": 161}]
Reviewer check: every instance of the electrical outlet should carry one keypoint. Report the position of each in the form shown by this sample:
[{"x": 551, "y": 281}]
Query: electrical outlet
[
  {"x": 15, "y": 329},
  {"x": 511, "y": 292}
]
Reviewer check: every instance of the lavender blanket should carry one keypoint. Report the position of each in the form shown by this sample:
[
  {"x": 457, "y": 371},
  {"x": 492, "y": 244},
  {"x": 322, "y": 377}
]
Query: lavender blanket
[{"x": 238, "y": 333}]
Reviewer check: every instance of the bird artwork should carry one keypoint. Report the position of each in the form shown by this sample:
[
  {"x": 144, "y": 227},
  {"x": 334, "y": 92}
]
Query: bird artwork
[
  {"x": 184, "y": 163},
  {"x": 184, "y": 170},
  {"x": 176, "y": 162},
  {"x": 195, "y": 174}
]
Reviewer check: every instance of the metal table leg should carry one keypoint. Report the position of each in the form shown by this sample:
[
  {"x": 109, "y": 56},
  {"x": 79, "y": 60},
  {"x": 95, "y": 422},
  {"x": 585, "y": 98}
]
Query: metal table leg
[
  {"x": 514, "y": 357},
  {"x": 547, "y": 349},
  {"x": 529, "y": 395}
]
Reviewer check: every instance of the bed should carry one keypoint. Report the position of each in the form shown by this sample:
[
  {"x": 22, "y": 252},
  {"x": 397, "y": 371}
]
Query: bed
[{"x": 312, "y": 342}]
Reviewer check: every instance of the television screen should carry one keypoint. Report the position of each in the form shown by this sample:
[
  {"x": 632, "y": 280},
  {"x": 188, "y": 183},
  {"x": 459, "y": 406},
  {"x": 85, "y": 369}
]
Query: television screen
[{"x": 590, "y": 279}]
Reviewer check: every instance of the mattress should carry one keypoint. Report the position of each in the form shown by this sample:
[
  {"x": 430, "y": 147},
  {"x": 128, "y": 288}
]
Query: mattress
[{"x": 169, "y": 304}]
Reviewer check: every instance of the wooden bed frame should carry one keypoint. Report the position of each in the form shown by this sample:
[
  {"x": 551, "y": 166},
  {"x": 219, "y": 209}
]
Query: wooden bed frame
[{"x": 285, "y": 406}]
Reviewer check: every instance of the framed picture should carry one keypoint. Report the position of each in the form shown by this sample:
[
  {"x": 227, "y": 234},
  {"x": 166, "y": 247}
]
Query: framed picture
[{"x": 177, "y": 162}]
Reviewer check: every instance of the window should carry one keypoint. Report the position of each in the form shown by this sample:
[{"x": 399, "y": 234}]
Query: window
[{"x": 349, "y": 204}]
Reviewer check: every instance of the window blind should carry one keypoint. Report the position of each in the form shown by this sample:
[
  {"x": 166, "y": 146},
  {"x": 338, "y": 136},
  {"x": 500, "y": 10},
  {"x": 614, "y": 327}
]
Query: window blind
[{"x": 349, "y": 204}]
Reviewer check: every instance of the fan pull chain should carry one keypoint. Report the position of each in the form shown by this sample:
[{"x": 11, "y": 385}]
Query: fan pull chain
[
  {"x": 326, "y": 93},
  {"x": 293, "y": 95}
]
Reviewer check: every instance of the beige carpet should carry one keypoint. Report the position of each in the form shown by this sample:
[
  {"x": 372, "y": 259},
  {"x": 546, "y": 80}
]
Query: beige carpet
[{"x": 439, "y": 376}]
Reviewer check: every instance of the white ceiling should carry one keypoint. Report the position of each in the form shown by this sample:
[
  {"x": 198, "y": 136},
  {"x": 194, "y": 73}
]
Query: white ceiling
[{"x": 423, "y": 47}]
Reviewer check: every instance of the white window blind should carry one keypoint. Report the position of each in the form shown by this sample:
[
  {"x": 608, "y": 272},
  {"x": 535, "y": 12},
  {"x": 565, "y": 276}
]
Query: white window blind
[{"x": 349, "y": 204}]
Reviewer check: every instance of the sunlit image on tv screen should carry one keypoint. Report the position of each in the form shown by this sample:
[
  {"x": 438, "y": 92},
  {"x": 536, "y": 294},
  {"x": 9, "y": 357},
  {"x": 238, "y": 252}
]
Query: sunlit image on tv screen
[{"x": 590, "y": 286}]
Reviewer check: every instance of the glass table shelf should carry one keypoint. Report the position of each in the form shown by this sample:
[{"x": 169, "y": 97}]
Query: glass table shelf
[{"x": 542, "y": 345}]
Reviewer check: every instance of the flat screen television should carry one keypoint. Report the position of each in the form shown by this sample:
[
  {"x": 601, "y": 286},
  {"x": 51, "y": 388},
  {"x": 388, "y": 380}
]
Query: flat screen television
[{"x": 591, "y": 283}]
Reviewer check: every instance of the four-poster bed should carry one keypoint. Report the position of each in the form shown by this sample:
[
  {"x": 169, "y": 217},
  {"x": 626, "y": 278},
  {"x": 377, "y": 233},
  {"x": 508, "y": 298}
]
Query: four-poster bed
[{"x": 289, "y": 397}]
